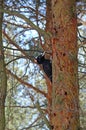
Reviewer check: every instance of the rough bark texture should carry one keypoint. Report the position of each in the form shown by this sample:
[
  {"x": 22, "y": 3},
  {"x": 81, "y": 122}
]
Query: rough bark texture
[
  {"x": 3, "y": 83},
  {"x": 65, "y": 109}
]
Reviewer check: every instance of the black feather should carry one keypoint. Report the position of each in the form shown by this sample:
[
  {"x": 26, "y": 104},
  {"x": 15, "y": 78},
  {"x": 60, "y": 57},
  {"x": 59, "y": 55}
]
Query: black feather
[{"x": 47, "y": 65}]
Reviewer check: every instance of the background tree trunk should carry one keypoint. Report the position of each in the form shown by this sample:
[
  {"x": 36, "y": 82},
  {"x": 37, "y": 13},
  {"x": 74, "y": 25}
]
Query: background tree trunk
[
  {"x": 3, "y": 81},
  {"x": 65, "y": 93}
]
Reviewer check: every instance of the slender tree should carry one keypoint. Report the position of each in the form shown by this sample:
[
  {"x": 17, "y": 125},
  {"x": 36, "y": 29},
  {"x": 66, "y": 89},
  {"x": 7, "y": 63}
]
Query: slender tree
[{"x": 3, "y": 83}]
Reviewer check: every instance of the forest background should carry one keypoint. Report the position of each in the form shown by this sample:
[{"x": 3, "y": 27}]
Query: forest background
[{"x": 23, "y": 28}]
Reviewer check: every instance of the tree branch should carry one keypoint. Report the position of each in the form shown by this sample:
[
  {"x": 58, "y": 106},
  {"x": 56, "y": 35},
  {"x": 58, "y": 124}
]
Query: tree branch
[
  {"x": 44, "y": 117},
  {"x": 25, "y": 83},
  {"x": 16, "y": 13}
]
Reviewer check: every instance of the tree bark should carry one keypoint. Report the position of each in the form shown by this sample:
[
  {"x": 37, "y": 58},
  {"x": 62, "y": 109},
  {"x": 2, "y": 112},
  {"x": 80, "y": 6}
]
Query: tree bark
[
  {"x": 65, "y": 91},
  {"x": 48, "y": 47},
  {"x": 3, "y": 80}
]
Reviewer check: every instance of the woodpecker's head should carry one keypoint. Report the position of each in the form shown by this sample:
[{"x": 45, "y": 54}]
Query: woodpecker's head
[{"x": 40, "y": 59}]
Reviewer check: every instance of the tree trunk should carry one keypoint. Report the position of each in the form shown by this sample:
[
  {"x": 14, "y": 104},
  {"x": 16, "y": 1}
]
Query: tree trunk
[
  {"x": 3, "y": 81},
  {"x": 65, "y": 91}
]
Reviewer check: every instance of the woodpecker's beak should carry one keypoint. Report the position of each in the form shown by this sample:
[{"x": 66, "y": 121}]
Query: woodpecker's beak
[
  {"x": 43, "y": 53},
  {"x": 35, "y": 60}
]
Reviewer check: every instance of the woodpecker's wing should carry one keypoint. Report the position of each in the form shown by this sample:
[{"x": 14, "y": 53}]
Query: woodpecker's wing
[{"x": 47, "y": 67}]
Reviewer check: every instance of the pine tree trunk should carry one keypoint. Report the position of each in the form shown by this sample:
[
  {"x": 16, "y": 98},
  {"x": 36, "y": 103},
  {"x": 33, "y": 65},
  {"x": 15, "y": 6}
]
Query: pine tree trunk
[
  {"x": 3, "y": 82},
  {"x": 65, "y": 91}
]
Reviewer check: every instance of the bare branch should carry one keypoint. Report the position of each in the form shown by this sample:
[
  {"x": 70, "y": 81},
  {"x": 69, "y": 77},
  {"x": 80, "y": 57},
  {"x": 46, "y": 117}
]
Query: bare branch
[
  {"x": 15, "y": 13},
  {"x": 25, "y": 83}
]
